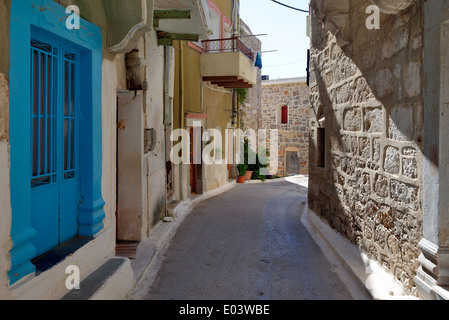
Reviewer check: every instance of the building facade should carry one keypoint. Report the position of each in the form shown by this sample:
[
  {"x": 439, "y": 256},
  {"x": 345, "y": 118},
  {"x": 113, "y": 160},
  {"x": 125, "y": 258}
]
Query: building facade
[
  {"x": 207, "y": 75},
  {"x": 85, "y": 90},
  {"x": 251, "y": 111},
  {"x": 285, "y": 108},
  {"x": 377, "y": 157}
]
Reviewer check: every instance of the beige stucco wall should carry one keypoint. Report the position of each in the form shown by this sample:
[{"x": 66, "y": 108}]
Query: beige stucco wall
[
  {"x": 5, "y": 216},
  {"x": 154, "y": 178},
  {"x": 228, "y": 64},
  {"x": 5, "y": 203},
  {"x": 218, "y": 106},
  {"x": 51, "y": 284}
]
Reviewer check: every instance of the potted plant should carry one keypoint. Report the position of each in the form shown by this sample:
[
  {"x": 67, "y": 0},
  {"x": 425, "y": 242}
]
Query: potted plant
[
  {"x": 242, "y": 171},
  {"x": 248, "y": 154}
]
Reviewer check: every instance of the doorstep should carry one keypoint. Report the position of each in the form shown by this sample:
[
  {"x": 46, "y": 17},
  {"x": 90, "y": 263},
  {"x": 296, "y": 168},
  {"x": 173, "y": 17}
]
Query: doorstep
[{"x": 111, "y": 281}]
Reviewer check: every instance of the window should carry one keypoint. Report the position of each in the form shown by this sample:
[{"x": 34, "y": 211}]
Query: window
[
  {"x": 49, "y": 123},
  {"x": 284, "y": 115},
  {"x": 321, "y": 148}
]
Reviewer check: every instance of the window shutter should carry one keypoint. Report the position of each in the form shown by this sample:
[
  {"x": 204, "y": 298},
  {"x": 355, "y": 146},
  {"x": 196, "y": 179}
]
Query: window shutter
[{"x": 285, "y": 115}]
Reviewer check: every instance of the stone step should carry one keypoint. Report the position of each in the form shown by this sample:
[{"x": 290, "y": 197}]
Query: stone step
[{"x": 111, "y": 281}]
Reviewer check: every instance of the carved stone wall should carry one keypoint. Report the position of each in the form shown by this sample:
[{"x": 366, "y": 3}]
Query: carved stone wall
[{"x": 367, "y": 96}]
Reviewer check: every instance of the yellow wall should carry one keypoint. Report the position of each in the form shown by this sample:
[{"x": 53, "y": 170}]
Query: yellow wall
[
  {"x": 187, "y": 87},
  {"x": 217, "y": 102},
  {"x": 218, "y": 106},
  {"x": 225, "y": 7},
  {"x": 192, "y": 79},
  {"x": 190, "y": 95}
]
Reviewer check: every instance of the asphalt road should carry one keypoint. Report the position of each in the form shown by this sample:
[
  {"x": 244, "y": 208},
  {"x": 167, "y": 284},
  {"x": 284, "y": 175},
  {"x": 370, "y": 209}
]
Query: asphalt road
[{"x": 247, "y": 243}]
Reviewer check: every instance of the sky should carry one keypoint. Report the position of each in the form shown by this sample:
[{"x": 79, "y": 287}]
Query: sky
[{"x": 286, "y": 33}]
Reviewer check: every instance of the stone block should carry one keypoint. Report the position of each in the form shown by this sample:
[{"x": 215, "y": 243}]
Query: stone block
[
  {"x": 347, "y": 165},
  {"x": 410, "y": 168},
  {"x": 373, "y": 120},
  {"x": 405, "y": 195},
  {"x": 409, "y": 151},
  {"x": 362, "y": 92},
  {"x": 392, "y": 160},
  {"x": 376, "y": 149},
  {"x": 381, "y": 186},
  {"x": 412, "y": 79},
  {"x": 344, "y": 93},
  {"x": 395, "y": 45},
  {"x": 364, "y": 148},
  {"x": 384, "y": 83},
  {"x": 400, "y": 123},
  {"x": 352, "y": 119}
]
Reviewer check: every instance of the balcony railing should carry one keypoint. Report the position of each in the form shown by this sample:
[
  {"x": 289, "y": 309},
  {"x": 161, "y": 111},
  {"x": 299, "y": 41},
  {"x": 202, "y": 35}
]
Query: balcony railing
[{"x": 227, "y": 45}]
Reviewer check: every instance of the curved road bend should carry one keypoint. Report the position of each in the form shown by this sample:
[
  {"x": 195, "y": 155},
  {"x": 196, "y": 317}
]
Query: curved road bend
[{"x": 247, "y": 243}]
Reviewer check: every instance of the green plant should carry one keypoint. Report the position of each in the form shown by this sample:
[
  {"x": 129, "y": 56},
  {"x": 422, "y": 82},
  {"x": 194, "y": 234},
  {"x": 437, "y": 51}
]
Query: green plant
[
  {"x": 241, "y": 95},
  {"x": 255, "y": 167},
  {"x": 241, "y": 98},
  {"x": 243, "y": 167}
]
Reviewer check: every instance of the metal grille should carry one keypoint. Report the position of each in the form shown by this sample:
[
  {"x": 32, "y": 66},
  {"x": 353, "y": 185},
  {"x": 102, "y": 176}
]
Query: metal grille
[
  {"x": 227, "y": 45},
  {"x": 43, "y": 135},
  {"x": 47, "y": 121},
  {"x": 69, "y": 115}
]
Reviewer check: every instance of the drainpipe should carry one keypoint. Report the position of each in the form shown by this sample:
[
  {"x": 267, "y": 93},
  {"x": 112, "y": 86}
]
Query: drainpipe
[
  {"x": 235, "y": 18},
  {"x": 183, "y": 172},
  {"x": 166, "y": 114},
  {"x": 181, "y": 87}
]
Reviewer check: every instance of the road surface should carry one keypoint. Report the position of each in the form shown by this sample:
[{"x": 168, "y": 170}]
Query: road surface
[{"x": 247, "y": 243}]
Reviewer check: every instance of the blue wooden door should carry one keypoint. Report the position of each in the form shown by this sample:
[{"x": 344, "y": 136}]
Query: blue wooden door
[{"x": 54, "y": 143}]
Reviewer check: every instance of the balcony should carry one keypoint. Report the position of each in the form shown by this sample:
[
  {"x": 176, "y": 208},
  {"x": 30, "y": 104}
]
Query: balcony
[
  {"x": 228, "y": 63},
  {"x": 181, "y": 20}
]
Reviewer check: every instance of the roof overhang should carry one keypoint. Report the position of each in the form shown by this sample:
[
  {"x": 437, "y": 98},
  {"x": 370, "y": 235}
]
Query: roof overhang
[
  {"x": 127, "y": 21},
  {"x": 189, "y": 17},
  {"x": 124, "y": 21}
]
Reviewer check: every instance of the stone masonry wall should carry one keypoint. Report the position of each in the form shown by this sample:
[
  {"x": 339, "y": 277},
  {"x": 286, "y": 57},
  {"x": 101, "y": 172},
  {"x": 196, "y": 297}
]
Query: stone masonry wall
[
  {"x": 369, "y": 97},
  {"x": 295, "y": 136},
  {"x": 251, "y": 110}
]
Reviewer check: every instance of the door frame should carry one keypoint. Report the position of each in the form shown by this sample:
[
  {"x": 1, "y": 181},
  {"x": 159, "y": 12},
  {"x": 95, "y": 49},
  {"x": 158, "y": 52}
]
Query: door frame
[{"x": 49, "y": 18}]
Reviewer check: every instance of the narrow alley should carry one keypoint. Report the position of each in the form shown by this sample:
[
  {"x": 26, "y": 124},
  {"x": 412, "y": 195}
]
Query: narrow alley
[
  {"x": 254, "y": 150},
  {"x": 247, "y": 243}
]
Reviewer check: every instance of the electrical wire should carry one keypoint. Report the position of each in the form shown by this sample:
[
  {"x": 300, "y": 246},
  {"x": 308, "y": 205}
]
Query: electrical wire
[
  {"x": 283, "y": 4},
  {"x": 285, "y": 64}
]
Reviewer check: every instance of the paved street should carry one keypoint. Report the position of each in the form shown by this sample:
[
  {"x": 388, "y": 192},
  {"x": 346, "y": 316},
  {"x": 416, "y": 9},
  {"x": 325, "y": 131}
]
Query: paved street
[{"x": 247, "y": 243}]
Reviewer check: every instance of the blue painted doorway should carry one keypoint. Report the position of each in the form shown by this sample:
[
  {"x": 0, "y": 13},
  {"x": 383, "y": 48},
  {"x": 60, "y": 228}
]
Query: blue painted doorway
[
  {"x": 54, "y": 142},
  {"x": 55, "y": 131}
]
